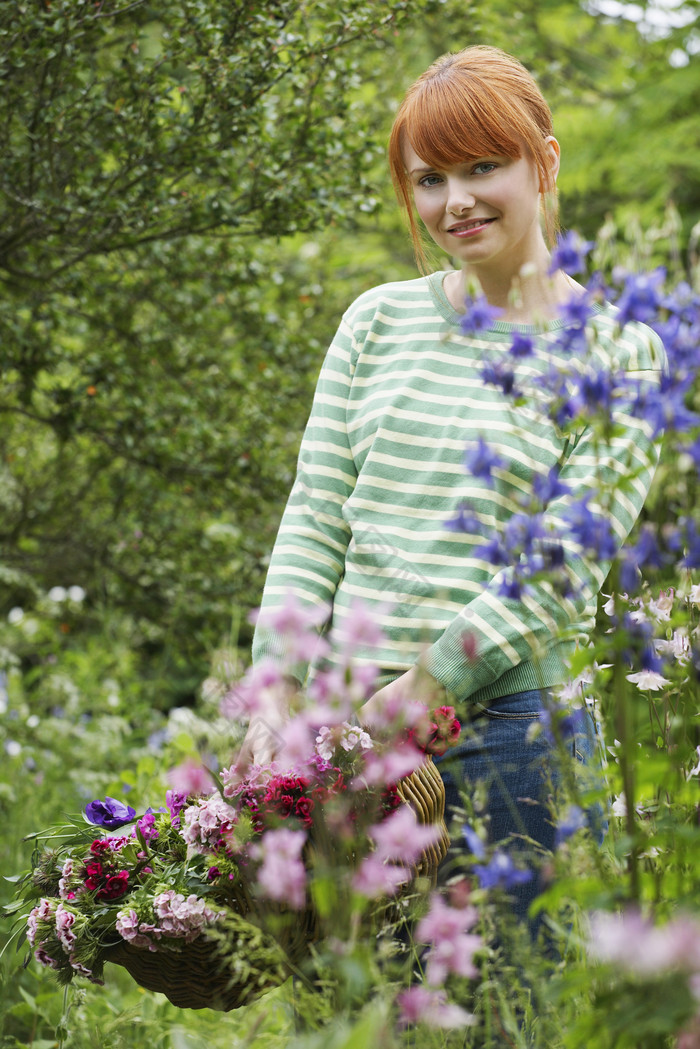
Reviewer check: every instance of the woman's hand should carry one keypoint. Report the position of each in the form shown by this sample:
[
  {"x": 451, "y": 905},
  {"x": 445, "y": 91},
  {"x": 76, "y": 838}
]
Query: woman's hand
[
  {"x": 416, "y": 685},
  {"x": 263, "y": 740}
]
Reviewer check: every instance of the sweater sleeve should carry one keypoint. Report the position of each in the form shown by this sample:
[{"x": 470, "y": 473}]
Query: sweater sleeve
[
  {"x": 614, "y": 472},
  {"x": 308, "y": 557}
]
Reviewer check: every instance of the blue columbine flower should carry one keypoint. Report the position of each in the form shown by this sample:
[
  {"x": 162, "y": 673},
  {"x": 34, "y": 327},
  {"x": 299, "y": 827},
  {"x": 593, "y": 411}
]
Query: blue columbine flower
[
  {"x": 464, "y": 521},
  {"x": 474, "y": 842},
  {"x": 500, "y": 872},
  {"x": 594, "y": 533},
  {"x": 549, "y": 487},
  {"x": 479, "y": 315},
  {"x": 573, "y": 820},
  {"x": 570, "y": 253},
  {"x": 480, "y": 461},
  {"x": 511, "y": 587},
  {"x": 499, "y": 374},
  {"x": 521, "y": 346},
  {"x": 561, "y": 723},
  {"x": 641, "y": 296}
]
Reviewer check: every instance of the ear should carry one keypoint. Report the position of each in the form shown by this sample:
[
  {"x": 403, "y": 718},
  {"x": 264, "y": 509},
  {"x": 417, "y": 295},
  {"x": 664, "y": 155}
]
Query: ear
[{"x": 553, "y": 151}]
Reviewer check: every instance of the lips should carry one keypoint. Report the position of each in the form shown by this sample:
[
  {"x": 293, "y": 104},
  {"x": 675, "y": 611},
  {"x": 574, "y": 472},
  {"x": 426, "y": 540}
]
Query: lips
[{"x": 470, "y": 224}]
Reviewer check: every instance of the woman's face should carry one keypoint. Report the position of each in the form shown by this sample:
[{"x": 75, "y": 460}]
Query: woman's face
[{"x": 484, "y": 213}]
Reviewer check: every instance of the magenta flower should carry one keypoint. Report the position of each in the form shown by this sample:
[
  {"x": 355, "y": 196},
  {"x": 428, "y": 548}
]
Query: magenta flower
[{"x": 147, "y": 827}]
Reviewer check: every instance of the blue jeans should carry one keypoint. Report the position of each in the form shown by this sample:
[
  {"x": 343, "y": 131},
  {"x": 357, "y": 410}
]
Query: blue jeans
[{"x": 519, "y": 775}]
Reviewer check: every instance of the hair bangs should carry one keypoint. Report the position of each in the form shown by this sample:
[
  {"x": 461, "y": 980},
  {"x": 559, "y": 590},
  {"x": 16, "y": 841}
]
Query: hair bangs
[{"x": 446, "y": 128}]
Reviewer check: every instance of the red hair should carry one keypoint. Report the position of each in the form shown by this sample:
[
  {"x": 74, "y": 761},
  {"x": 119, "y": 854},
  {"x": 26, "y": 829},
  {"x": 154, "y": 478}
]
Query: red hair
[{"x": 476, "y": 103}]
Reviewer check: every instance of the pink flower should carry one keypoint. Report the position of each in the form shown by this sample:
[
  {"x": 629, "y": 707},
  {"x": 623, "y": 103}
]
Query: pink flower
[
  {"x": 400, "y": 837},
  {"x": 297, "y": 743},
  {"x": 339, "y": 691},
  {"x": 65, "y": 889},
  {"x": 282, "y": 874},
  {"x": 359, "y": 629},
  {"x": 374, "y": 877},
  {"x": 422, "y": 1005},
  {"x": 183, "y": 917},
  {"x": 634, "y": 943},
  {"x": 248, "y": 696},
  {"x": 44, "y": 959},
  {"x": 389, "y": 767},
  {"x": 190, "y": 777},
  {"x": 206, "y": 822},
  {"x": 295, "y": 627},
  {"x": 446, "y": 928},
  {"x": 147, "y": 827},
  {"x": 65, "y": 920},
  {"x": 43, "y": 912},
  {"x": 138, "y": 934}
]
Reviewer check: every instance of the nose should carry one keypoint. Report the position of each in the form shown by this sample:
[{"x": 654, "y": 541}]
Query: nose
[{"x": 460, "y": 198}]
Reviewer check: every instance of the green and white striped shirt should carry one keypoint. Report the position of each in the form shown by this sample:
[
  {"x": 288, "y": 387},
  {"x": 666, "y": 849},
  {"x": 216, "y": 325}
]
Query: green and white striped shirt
[{"x": 381, "y": 471}]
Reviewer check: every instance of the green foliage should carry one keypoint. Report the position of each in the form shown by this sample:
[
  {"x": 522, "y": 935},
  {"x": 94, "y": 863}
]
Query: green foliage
[{"x": 158, "y": 349}]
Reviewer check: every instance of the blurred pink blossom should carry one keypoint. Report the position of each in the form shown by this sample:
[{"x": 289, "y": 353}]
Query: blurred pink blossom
[
  {"x": 191, "y": 777},
  {"x": 452, "y": 948},
  {"x": 423, "y": 1005},
  {"x": 295, "y": 629},
  {"x": 359, "y": 628},
  {"x": 389, "y": 767},
  {"x": 374, "y": 877},
  {"x": 401, "y": 838},
  {"x": 634, "y": 943},
  {"x": 282, "y": 875}
]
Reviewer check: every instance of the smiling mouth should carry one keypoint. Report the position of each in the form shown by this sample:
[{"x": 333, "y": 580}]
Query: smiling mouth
[{"x": 472, "y": 224}]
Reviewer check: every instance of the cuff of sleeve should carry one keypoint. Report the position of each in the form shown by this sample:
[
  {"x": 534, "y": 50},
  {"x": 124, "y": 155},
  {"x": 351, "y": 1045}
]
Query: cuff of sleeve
[{"x": 459, "y": 673}]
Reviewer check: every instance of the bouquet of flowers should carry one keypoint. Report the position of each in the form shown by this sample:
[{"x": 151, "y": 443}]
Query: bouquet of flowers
[{"x": 211, "y": 898}]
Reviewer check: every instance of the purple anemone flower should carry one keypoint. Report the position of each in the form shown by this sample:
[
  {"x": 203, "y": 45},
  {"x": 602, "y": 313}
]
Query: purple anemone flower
[{"x": 109, "y": 813}]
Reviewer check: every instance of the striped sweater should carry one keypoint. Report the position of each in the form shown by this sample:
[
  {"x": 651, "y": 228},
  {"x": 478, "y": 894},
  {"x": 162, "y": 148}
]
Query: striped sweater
[{"x": 381, "y": 472}]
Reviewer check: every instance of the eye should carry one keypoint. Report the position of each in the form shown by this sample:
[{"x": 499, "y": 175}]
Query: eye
[
  {"x": 485, "y": 167},
  {"x": 427, "y": 181}
]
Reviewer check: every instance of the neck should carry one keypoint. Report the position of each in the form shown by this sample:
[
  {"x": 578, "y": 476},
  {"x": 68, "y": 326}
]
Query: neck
[{"x": 532, "y": 295}]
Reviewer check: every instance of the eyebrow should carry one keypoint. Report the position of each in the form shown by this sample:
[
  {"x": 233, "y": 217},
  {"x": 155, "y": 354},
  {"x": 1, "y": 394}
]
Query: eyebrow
[{"x": 419, "y": 171}]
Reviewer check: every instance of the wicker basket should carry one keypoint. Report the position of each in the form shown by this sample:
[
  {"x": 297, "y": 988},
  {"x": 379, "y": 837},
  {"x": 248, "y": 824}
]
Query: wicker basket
[
  {"x": 199, "y": 976},
  {"x": 425, "y": 793}
]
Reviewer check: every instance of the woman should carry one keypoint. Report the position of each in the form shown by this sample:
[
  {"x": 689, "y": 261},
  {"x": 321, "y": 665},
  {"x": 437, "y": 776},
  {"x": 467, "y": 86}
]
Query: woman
[{"x": 401, "y": 397}]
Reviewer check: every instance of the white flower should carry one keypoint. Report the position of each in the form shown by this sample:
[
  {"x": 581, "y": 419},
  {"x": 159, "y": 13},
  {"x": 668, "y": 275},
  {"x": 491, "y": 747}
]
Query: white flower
[
  {"x": 662, "y": 607},
  {"x": 648, "y": 680},
  {"x": 15, "y": 615},
  {"x": 694, "y": 594},
  {"x": 13, "y": 748},
  {"x": 696, "y": 770},
  {"x": 76, "y": 593},
  {"x": 57, "y": 594},
  {"x": 619, "y": 806}
]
